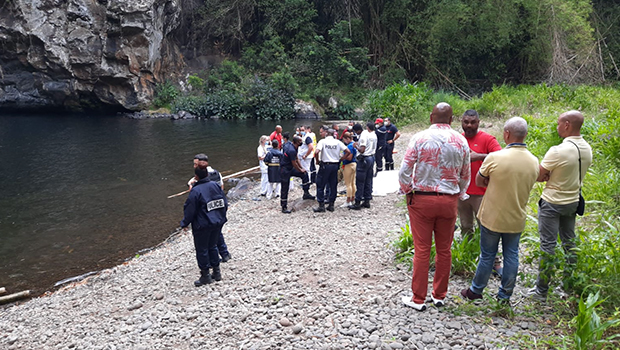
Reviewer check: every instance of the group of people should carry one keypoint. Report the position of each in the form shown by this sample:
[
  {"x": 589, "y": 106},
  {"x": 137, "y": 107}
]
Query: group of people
[
  {"x": 436, "y": 176},
  {"x": 355, "y": 151},
  {"x": 444, "y": 175}
]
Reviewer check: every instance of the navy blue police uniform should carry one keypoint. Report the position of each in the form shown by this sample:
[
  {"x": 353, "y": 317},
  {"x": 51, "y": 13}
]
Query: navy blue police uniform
[
  {"x": 329, "y": 150},
  {"x": 205, "y": 209},
  {"x": 222, "y": 248},
  {"x": 289, "y": 153}
]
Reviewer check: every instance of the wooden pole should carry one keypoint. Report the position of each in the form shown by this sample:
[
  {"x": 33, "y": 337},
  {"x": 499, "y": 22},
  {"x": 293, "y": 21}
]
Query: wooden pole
[
  {"x": 2, "y": 290},
  {"x": 13, "y": 297},
  {"x": 223, "y": 178},
  {"x": 178, "y": 194},
  {"x": 241, "y": 172}
]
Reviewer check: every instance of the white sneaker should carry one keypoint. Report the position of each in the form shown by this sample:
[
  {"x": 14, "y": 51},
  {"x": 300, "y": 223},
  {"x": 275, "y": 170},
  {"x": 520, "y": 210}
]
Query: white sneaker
[
  {"x": 438, "y": 302},
  {"x": 345, "y": 205},
  {"x": 409, "y": 302}
]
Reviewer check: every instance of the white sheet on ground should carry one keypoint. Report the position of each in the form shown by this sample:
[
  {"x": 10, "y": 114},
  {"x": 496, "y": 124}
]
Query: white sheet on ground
[{"x": 385, "y": 183}]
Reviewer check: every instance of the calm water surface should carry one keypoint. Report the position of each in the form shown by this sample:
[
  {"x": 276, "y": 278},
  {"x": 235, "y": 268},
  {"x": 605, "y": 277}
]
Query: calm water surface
[{"x": 80, "y": 193}]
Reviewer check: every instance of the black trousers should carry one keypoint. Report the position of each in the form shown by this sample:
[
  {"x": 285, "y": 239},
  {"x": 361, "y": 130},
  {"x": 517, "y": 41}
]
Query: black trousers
[
  {"x": 286, "y": 174},
  {"x": 389, "y": 157},
  {"x": 327, "y": 177},
  {"x": 379, "y": 157},
  {"x": 363, "y": 179},
  {"x": 205, "y": 242}
]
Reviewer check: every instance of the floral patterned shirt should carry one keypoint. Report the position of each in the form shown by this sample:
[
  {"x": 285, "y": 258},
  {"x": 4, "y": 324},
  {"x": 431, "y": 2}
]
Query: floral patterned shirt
[{"x": 437, "y": 160}]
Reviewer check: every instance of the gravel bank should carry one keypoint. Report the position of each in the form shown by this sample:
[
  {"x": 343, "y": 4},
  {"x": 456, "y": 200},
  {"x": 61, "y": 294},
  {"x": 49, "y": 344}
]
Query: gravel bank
[{"x": 299, "y": 281}]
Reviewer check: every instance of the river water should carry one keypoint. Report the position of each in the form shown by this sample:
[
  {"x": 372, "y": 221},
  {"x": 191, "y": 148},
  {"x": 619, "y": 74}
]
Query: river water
[{"x": 82, "y": 193}]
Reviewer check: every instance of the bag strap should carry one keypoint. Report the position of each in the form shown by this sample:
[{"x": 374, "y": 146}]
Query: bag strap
[{"x": 574, "y": 144}]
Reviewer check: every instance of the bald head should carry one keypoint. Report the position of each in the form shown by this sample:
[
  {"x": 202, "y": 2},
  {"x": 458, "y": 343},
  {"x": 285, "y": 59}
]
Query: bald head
[
  {"x": 515, "y": 130},
  {"x": 569, "y": 123},
  {"x": 441, "y": 114}
]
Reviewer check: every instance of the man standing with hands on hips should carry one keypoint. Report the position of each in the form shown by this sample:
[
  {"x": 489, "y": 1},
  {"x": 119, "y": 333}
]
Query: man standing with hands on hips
[{"x": 440, "y": 157}]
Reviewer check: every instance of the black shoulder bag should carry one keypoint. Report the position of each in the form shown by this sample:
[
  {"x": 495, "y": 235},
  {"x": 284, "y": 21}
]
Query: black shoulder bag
[{"x": 581, "y": 207}]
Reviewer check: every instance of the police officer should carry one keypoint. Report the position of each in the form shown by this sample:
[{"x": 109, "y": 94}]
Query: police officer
[
  {"x": 391, "y": 136},
  {"x": 381, "y": 133},
  {"x": 328, "y": 154},
  {"x": 366, "y": 147},
  {"x": 289, "y": 166},
  {"x": 205, "y": 209},
  {"x": 201, "y": 160}
]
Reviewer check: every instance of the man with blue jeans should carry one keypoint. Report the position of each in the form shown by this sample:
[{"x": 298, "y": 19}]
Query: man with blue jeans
[{"x": 509, "y": 176}]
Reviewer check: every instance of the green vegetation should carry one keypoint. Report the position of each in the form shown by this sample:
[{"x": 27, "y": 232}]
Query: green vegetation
[
  {"x": 593, "y": 284},
  {"x": 315, "y": 49}
]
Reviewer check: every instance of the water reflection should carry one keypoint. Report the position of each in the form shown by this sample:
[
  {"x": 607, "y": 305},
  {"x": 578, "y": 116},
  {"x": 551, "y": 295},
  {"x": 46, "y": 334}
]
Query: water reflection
[{"x": 80, "y": 193}]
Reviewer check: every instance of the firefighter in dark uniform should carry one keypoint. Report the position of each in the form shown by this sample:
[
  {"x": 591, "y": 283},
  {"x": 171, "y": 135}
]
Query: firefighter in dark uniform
[
  {"x": 272, "y": 159},
  {"x": 205, "y": 209},
  {"x": 391, "y": 136},
  {"x": 328, "y": 154},
  {"x": 381, "y": 133},
  {"x": 289, "y": 166}
]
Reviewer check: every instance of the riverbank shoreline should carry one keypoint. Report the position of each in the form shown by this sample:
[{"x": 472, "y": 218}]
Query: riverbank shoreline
[{"x": 300, "y": 281}]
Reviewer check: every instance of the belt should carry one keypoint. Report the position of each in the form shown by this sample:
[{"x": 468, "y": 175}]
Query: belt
[
  {"x": 432, "y": 193},
  {"x": 331, "y": 162}
]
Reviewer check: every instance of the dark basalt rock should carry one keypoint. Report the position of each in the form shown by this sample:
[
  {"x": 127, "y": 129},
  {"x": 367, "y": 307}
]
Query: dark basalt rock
[{"x": 79, "y": 54}]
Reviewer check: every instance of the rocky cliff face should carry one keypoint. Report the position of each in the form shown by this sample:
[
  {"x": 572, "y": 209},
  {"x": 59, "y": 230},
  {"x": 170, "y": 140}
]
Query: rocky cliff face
[{"x": 81, "y": 54}]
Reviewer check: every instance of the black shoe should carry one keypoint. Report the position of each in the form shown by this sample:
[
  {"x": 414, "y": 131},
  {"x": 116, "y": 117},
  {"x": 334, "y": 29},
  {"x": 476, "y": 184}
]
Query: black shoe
[
  {"x": 285, "y": 211},
  {"x": 355, "y": 206},
  {"x": 330, "y": 207},
  {"x": 205, "y": 278},
  {"x": 320, "y": 209},
  {"x": 217, "y": 274},
  {"x": 366, "y": 204},
  {"x": 226, "y": 258},
  {"x": 308, "y": 196}
]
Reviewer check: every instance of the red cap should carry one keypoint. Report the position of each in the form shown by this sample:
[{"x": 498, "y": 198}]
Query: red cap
[{"x": 379, "y": 120}]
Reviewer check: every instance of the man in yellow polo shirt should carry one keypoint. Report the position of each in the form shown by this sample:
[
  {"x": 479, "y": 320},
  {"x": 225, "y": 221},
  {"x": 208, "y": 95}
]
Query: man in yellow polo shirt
[
  {"x": 508, "y": 175},
  {"x": 564, "y": 168}
]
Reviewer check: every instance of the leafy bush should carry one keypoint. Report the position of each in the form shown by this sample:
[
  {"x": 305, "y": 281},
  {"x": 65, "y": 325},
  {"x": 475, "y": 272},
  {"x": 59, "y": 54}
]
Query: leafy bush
[
  {"x": 264, "y": 101},
  {"x": 465, "y": 253},
  {"x": 165, "y": 94},
  {"x": 191, "y": 104},
  {"x": 589, "y": 329},
  {"x": 402, "y": 103},
  {"x": 225, "y": 105}
]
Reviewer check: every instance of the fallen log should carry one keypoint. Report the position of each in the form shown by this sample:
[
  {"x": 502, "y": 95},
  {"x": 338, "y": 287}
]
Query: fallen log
[{"x": 13, "y": 297}]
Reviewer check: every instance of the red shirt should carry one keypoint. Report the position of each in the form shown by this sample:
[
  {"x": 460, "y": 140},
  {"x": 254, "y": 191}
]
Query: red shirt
[
  {"x": 278, "y": 137},
  {"x": 481, "y": 143}
]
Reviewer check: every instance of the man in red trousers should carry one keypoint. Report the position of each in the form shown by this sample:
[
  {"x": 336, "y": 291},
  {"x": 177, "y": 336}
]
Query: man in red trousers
[{"x": 440, "y": 157}]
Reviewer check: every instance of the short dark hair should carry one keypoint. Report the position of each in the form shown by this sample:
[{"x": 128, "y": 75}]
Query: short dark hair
[
  {"x": 275, "y": 143},
  {"x": 201, "y": 172},
  {"x": 471, "y": 113},
  {"x": 202, "y": 157},
  {"x": 286, "y": 135},
  {"x": 357, "y": 127},
  {"x": 371, "y": 126}
]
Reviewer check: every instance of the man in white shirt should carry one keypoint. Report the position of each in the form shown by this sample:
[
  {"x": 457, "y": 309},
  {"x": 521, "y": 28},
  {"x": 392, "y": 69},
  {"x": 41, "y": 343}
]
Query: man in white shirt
[
  {"x": 329, "y": 153},
  {"x": 366, "y": 146}
]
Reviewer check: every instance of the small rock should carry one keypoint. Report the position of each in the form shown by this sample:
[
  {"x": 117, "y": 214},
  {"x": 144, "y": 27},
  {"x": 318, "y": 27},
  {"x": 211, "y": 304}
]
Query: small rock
[
  {"x": 396, "y": 345},
  {"x": 134, "y": 306},
  {"x": 297, "y": 328},
  {"x": 285, "y": 322}
]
